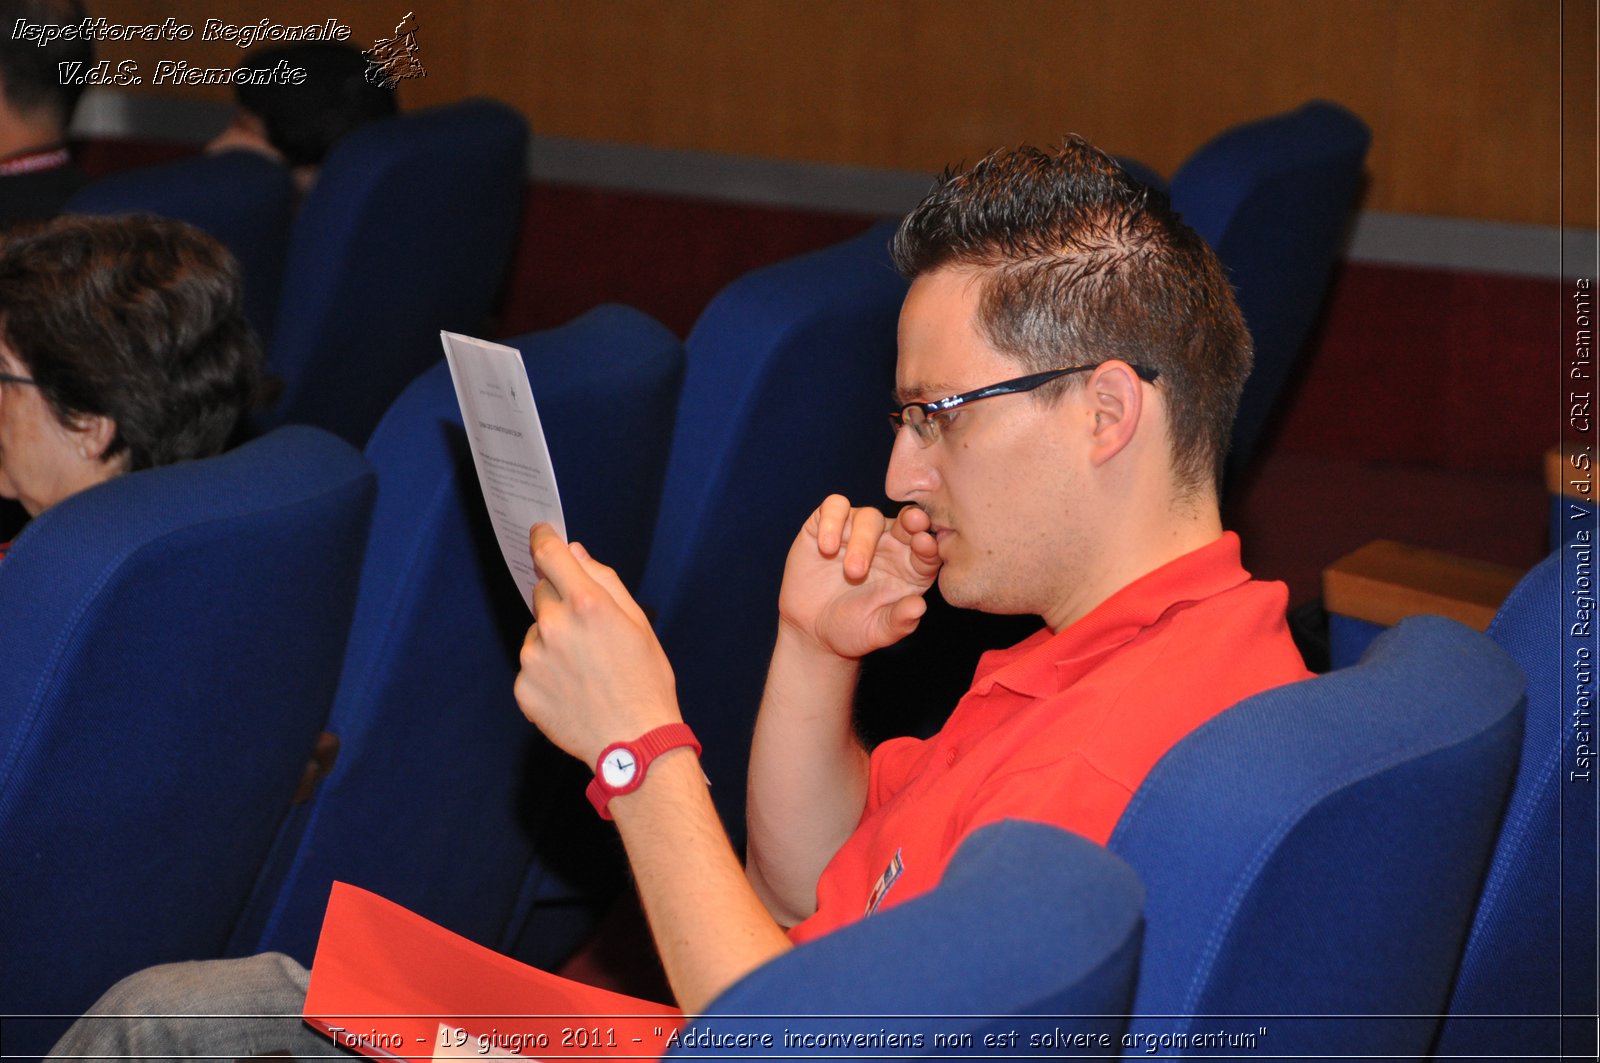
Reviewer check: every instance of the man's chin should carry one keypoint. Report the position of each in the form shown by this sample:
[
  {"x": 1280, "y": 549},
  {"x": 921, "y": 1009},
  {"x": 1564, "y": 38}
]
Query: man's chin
[
  {"x": 957, "y": 591},
  {"x": 963, "y": 592}
]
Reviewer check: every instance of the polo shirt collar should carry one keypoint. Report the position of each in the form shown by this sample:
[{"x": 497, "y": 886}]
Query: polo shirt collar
[{"x": 1045, "y": 662}]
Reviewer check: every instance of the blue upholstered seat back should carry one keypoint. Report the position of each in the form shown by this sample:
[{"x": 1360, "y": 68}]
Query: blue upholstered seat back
[
  {"x": 1531, "y": 952},
  {"x": 1316, "y": 850},
  {"x": 407, "y": 231},
  {"x": 1272, "y": 198},
  {"x": 442, "y": 789},
  {"x": 170, "y": 643},
  {"x": 241, "y": 198},
  {"x": 790, "y": 373},
  {"x": 1032, "y": 930}
]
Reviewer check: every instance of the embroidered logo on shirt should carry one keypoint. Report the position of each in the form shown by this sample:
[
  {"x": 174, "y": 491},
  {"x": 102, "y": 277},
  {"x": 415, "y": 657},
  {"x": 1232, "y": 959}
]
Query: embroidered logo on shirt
[{"x": 885, "y": 880}]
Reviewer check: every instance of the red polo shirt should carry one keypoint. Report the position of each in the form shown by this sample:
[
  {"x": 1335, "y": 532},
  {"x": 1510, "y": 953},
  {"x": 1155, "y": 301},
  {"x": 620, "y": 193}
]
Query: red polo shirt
[{"x": 1061, "y": 728}]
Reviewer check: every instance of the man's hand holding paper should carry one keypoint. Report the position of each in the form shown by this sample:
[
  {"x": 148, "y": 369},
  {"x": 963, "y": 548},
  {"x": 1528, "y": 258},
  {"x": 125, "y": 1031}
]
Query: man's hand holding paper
[{"x": 592, "y": 670}]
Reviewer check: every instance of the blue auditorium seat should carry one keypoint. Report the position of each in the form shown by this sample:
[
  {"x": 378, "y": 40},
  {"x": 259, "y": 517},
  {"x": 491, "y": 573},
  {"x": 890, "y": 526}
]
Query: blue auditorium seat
[
  {"x": 1531, "y": 954},
  {"x": 443, "y": 797},
  {"x": 1569, "y": 516},
  {"x": 1273, "y": 198},
  {"x": 790, "y": 374},
  {"x": 170, "y": 644},
  {"x": 1032, "y": 930},
  {"x": 1311, "y": 857},
  {"x": 407, "y": 231},
  {"x": 242, "y": 198}
]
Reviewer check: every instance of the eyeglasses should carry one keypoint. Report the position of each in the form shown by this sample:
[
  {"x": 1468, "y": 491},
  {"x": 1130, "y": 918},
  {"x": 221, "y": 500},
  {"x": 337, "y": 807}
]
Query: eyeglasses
[
  {"x": 928, "y": 419},
  {"x": 8, "y": 378}
]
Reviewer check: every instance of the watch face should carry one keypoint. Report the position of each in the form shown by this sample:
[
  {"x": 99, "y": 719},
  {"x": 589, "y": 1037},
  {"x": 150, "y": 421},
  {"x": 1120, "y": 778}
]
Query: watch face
[{"x": 618, "y": 768}]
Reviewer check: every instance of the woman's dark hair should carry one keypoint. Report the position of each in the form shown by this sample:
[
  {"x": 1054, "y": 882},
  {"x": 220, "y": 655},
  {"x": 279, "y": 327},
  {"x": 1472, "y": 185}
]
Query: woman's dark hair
[{"x": 136, "y": 318}]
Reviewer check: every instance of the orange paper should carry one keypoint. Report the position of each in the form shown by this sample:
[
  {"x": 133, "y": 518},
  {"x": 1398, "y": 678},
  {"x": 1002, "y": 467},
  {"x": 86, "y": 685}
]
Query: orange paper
[{"x": 385, "y": 980}]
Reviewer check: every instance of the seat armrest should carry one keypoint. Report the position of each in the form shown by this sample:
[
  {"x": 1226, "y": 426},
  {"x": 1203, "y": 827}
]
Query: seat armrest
[
  {"x": 1562, "y": 477},
  {"x": 1384, "y": 582}
]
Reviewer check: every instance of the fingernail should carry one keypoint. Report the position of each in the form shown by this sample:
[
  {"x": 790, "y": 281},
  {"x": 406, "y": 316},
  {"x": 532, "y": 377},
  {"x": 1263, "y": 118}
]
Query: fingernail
[{"x": 580, "y": 552}]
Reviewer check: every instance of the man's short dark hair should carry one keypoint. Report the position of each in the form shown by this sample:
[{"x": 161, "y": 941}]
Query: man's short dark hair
[
  {"x": 137, "y": 318},
  {"x": 1081, "y": 263},
  {"x": 304, "y": 121},
  {"x": 30, "y": 75}
]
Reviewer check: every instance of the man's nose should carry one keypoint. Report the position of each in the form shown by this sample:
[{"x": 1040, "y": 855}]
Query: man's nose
[{"x": 912, "y": 473}]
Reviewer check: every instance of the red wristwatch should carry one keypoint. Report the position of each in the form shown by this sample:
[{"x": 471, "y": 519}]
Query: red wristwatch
[{"x": 622, "y": 765}]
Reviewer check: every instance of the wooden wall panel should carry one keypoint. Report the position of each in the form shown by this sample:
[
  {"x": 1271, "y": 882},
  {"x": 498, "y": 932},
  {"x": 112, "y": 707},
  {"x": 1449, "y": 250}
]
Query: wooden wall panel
[
  {"x": 1463, "y": 97},
  {"x": 1580, "y": 95}
]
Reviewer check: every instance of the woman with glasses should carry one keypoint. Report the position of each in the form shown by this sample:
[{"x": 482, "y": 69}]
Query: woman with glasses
[{"x": 123, "y": 346}]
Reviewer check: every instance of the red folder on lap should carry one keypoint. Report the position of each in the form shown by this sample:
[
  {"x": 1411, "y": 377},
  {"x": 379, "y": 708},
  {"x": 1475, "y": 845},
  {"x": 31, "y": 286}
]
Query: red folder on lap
[{"x": 388, "y": 983}]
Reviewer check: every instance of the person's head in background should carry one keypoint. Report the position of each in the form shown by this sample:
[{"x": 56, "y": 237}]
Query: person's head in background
[
  {"x": 35, "y": 105},
  {"x": 299, "y": 124},
  {"x": 123, "y": 346}
]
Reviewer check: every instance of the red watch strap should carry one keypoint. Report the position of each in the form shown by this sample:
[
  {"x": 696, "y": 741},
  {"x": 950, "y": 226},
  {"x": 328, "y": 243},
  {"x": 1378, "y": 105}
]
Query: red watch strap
[
  {"x": 670, "y": 736},
  {"x": 645, "y": 748}
]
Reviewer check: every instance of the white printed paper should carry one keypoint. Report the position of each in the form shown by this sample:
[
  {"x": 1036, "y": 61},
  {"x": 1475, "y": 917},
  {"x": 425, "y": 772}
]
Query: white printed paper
[{"x": 508, "y": 447}]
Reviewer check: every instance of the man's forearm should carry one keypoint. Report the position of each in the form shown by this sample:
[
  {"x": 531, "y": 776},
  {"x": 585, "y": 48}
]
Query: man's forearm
[
  {"x": 808, "y": 775},
  {"x": 710, "y": 927}
]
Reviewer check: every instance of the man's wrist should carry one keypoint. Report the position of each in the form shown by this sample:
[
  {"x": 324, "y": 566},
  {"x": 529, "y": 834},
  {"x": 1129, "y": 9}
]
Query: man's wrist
[
  {"x": 675, "y": 768},
  {"x": 794, "y": 644},
  {"x": 623, "y": 767}
]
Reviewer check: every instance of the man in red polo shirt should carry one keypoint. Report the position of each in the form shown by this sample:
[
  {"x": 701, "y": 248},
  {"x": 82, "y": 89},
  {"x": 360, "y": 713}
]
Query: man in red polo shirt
[
  {"x": 1070, "y": 360},
  {"x": 1071, "y": 357}
]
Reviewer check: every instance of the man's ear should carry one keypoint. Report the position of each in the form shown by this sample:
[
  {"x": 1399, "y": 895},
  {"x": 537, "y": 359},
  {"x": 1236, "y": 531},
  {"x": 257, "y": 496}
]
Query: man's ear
[{"x": 1116, "y": 404}]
